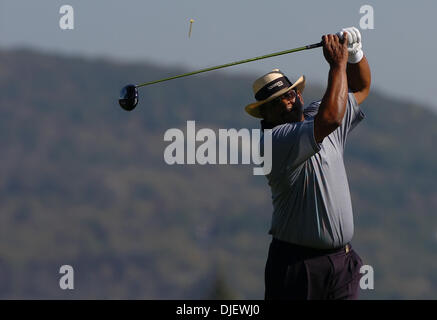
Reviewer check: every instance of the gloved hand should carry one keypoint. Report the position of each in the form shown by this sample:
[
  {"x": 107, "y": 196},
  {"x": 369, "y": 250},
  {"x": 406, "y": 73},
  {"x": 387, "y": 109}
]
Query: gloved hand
[{"x": 354, "y": 47}]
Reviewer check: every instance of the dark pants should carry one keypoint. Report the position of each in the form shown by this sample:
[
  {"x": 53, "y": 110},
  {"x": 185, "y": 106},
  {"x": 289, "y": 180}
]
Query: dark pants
[{"x": 300, "y": 273}]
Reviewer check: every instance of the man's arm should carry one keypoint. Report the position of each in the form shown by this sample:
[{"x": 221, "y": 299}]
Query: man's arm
[
  {"x": 359, "y": 78},
  {"x": 333, "y": 104},
  {"x": 358, "y": 70}
]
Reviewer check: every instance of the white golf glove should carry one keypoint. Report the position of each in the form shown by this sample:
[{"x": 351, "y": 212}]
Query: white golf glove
[{"x": 354, "y": 46}]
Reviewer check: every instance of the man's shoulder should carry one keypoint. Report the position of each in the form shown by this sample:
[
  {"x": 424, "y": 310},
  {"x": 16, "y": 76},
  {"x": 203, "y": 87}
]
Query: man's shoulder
[
  {"x": 288, "y": 128},
  {"x": 312, "y": 109}
]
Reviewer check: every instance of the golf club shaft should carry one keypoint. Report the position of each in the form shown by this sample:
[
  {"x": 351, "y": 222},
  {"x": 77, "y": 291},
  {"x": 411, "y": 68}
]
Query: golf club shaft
[{"x": 311, "y": 46}]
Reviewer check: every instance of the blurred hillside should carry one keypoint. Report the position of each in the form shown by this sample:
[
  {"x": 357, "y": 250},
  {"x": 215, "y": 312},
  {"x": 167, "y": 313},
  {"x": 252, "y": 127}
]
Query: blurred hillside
[{"x": 83, "y": 182}]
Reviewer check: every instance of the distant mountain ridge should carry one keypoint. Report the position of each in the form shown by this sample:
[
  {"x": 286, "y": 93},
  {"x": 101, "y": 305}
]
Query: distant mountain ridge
[{"x": 84, "y": 183}]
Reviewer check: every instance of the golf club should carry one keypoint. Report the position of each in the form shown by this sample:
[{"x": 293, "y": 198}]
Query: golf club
[{"x": 129, "y": 94}]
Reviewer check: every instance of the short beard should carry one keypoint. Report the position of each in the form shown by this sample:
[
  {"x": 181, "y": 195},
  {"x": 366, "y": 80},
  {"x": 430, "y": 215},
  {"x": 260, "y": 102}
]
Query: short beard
[{"x": 295, "y": 115}]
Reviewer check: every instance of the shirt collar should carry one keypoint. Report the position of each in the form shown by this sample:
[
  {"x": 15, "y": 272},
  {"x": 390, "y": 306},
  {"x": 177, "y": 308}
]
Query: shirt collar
[{"x": 266, "y": 125}]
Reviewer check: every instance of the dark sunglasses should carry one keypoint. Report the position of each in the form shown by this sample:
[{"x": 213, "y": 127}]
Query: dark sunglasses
[{"x": 288, "y": 95}]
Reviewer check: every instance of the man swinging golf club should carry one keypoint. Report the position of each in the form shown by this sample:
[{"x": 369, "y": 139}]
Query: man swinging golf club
[{"x": 310, "y": 256}]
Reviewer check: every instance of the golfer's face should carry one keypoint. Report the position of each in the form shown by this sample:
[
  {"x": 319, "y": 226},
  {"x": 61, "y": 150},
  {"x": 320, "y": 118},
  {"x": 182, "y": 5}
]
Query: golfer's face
[{"x": 286, "y": 108}]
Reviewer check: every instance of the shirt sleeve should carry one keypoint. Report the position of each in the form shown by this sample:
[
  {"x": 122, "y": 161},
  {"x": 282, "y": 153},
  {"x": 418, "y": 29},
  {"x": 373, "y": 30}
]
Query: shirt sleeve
[
  {"x": 353, "y": 115},
  {"x": 293, "y": 143}
]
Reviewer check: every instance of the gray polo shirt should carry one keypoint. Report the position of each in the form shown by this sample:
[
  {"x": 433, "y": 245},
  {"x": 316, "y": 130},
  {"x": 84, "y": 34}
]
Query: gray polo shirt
[{"x": 310, "y": 192}]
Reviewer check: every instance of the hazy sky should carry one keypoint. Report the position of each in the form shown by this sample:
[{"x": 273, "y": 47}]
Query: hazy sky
[{"x": 401, "y": 48}]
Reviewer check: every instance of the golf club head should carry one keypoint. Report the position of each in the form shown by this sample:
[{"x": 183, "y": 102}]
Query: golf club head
[{"x": 128, "y": 97}]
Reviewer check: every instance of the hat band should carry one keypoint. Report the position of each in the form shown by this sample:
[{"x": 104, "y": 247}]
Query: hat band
[{"x": 272, "y": 87}]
